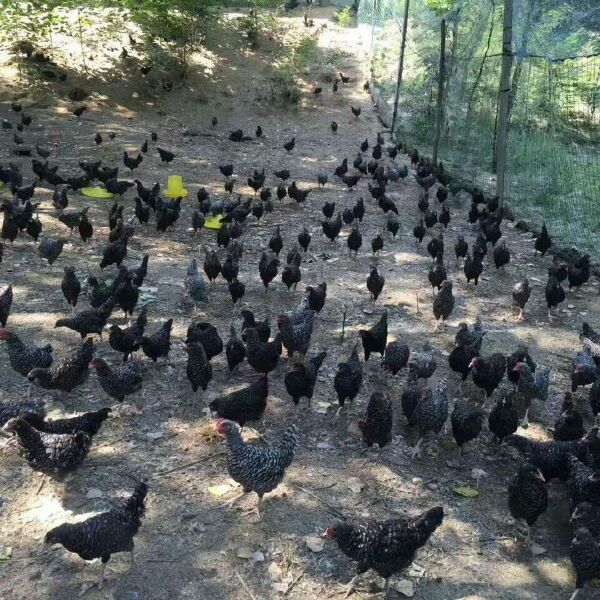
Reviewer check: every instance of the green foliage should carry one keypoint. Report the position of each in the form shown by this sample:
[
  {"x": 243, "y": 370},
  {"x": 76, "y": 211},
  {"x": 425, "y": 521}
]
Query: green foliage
[
  {"x": 441, "y": 7},
  {"x": 343, "y": 17}
]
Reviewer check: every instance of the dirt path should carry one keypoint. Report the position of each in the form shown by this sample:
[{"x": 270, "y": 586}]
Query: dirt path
[{"x": 189, "y": 546}]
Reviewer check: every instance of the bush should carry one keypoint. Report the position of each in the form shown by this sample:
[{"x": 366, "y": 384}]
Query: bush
[{"x": 343, "y": 17}]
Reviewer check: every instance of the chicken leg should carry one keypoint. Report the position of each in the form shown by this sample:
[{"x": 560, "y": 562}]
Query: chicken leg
[
  {"x": 351, "y": 586},
  {"x": 229, "y": 504},
  {"x": 416, "y": 451}
]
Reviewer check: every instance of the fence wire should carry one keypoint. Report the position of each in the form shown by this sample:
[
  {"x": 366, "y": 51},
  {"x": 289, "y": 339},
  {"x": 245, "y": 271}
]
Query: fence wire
[{"x": 553, "y": 145}]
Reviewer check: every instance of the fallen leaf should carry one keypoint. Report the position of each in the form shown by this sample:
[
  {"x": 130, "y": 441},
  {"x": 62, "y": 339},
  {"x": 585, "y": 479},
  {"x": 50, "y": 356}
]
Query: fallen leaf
[
  {"x": 315, "y": 544},
  {"x": 405, "y": 587},
  {"x": 244, "y": 552},
  {"x": 355, "y": 484},
  {"x": 466, "y": 491},
  {"x": 219, "y": 490}
]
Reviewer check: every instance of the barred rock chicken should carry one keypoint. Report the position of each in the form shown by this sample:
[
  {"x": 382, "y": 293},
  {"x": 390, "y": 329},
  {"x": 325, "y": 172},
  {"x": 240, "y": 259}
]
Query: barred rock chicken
[
  {"x": 257, "y": 469},
  {"x": 503, "y": 419},
  {"x": 431, "y": 413},
  {"x": 583, "y": 484},
  {"x": 584, "y": 370},
  {"x": 423, "y": 364},
  {"x": 376, "y": 428},
  {"x": 586, "y": 515},
  {"x": 245, "y": 404},
  {"x": 6, "y": 299},
  {"x": 91, "y": 320},
  {"x": 487, "y": 372},
  {"x": 49, "y": 453},
  {"x": 67, "y": 373},
  {"x": 194, "y": 284},
  {"x": 375, "y": 338},
  {"x": 532, "y": 386},
  {"x": 348, "y": 378},
  {"x": 199, "y": 370},
  {"x": 51, "y": 249},
  {"x": 411, "y": 394},
  {"x": 569, "y": 425},
  {"x": 103, "y": 534},
  {"x": 395, "y": 357},
  {"x": 263, "y": 357},
  {"x": 128, "y": 339},
  {"x": 99, "y": 291},
  {"x": 159, "y": 343},
  {"x": 443, "y": 304},
  {"x": 520, "y": 295},
  {"x": 317, "y": 296},
  {"x": 120, "y": 381},
  {"x": 234, "y": 350},
  {"x": 585, "y": 556},
  {"x": 89, "y": 423},
  {"x": 24, "y": 358},
  {"x": 527, "y": 496},
  {"x": 208, "y": 336},
  {"x": 550, "y": 457},
  {"x": 387, "y": 547},
  {"x": 466, "y": 423},
  {"x": 300, "y": 380},
  {"x": 295, "y": 336},
  {"x": 9, "y": 409}
]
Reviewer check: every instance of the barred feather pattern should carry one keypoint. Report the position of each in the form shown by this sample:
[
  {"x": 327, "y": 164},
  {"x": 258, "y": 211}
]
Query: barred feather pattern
[
  {"x": 9, "y": 409},
  {"x": 585, "y": 556},
  {"x": 24, "y": 358},
  {"x": 583, "y": 487},
  {"x": 432, "y": 410},
  {"x": 527, "y": 494},
  {"x": 195, "y": 285}
]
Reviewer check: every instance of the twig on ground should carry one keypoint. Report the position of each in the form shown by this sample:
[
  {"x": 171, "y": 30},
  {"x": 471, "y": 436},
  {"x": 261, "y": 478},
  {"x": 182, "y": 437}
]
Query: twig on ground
[
  {"x": 191, "y": 464},
  {"x": 332, "y": 508},
  {"x": 245, "y": 585}
]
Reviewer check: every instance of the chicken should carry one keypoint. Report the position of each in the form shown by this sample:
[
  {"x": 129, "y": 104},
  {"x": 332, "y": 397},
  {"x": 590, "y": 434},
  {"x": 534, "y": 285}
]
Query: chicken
[
  {"x": 395, "y": 357},
  {"x": 555, "y": 294},
  {"x": 520, "y": 295},
  {"x": 569, "y": 425},
  {"x": 234, "y": 350},
  {"x": 199, "y": 370},
  {"x": 256, "y": 469},
  {"x": 115, "y": 252},
  {"x": 473, "y": 267},
  {"x": 304, "y": 238},
  {"x": 348, "y": 378},
  {"x": 51, "y": 249},
  {"x": 411, "y": 394},
  {"x": 103, "y": 534},
  {"x": 159, "y": 343},
  {"x": 377, "y": 424},
  {"x": 532, "y": 385},
  {"x": 431, "y": 413},
  {"x": 423, "y": 365},
  {"x": 91, "y": 320},
  {"x": 29, "y": 409},
  {"x": 263, "y": 357},
  {"x": 316, "y": 296},
  {"x": 527, "y": 496},
  {"x": 295, "y": 336},
  {"x": 487, "y": 372},
  {"x": 300, "y": 380},
  {"x": 586, "y": 515},
  {"x": 208, "y": 336},
  {"x": 98, "y": 291},
  {"x": 262, "y": 327},
  {"x": 550, "y": 457},
  {"x": 437, "y": 273},
  {"x": 543, "y": 241},
  {"x": 585, "y": 556},
  {"x": 503, "y": 419},
  {"x": 24, "y": 358},
  {"x": 70, "y": 286},
  {"x": 120, "y": 381},
  {"x": 49, "y": 453},
  {"x": 387, "y": 547},
  {"x": 521, "y": 354},
  {"x": 128, "y": 340},
  {"x": 245, "y": 404},
  {"x": 375, "y": 283},
  {"x": 443, "y": 304},
  {"x": 584, "y": 370},
  {"x": 466, "y": 421},
  {"x": 291, "y": 273},
  {"x": 594, "y": 398},
  {"x": 67, "y": 373},
  {"x": 89, "y": 423},
  {"x": 375, "y": 338},
  {"x": 332, "y": 228},
  {"x": 583, "y": 483}
]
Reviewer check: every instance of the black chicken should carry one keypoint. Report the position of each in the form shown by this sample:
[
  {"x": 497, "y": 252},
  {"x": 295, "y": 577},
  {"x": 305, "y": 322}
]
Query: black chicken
[
  {"x": 199, "y": 370},
  {"x": 348, "y": 378},
  {"x": 503, "y": 419},
  {"x": 487, "y": 372},
  {"x": 466, "y": 421},
  {"x": 376, "y": 428},
  {"x": 159, "y": 343},
  {"x": 245, "y": 404},
  {"x": 235, "y": 350},
  {"x": 375, "y": 338},
  {"x": 300, "y": 380},
  {"x": 569, "y": 425}
]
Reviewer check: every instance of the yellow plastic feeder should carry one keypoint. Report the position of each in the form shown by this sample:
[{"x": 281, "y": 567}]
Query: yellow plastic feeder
[
  {"x": 175, "y": 187},
  {"x": 213, "y": 222},
  {"x": 95, "y": 192}
]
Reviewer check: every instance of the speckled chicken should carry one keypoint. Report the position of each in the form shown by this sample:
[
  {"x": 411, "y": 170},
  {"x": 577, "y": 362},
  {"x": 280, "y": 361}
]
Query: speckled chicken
[
  {"x": 411, "y": 394},
  {"x": 532, "y": 386},
  {"x": 423, "y": 364},
  {"x": 9, "y": 409},
  {"x": 24, "y": 358},
  {"x": 67, "y": 373},
  {"x": 194, "y": 284},
  {"x": 295, "y": 336},
  {"x": 198, "y": 369},
  {"x": 245, "y": 404},
  {"x": 583, "y": 369},
  {"x": 503, "y": 419},
  {"x": 91, "y": 320},
  {"x": 375, "y": 338},
  {"x": 527, "y": 496},
  {"x": 569, "y": 425},
  {"x": 550, "y": 457},
  {"x": 431, "y": 413},
  {"x": 89, "y": 422},
  {"x": 103, "y": 534},
  {"x": 50, "y": 453},
  {"x": 257, "y": 469},
  {"x": 128, "y": 339},
  {"x": 585, "y": 556},
  {"x": 121, "y": 381},
  {"x": 301, "y": 378},
  {"x": 159, "y": 343},
  {"x": 6, "y": 299},
  {"x": 586, "y": 515},
  {"x": 387, "y": 547},
  {"x": 51, "y": 249},
  {"x": 443, "y": 304},
  {"x": 396, "y": 356},
  {"x": 348, "y": 378},
  {"x": 583, "y": 483},
  {"x": 376, "y": 427},
  {"x": 466, "y": 421},
  {"x": 487, "y": 372}
]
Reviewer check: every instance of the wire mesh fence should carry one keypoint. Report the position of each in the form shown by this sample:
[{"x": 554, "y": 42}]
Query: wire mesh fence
[{"x": 553, "y": 143}]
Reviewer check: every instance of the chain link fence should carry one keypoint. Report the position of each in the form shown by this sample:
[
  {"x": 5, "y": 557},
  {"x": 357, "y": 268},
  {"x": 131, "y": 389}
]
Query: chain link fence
[{"x": 553, "y": 144}]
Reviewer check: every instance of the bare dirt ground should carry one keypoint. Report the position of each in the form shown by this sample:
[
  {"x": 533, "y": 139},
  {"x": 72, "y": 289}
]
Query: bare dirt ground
[{"x": 189, "y": 546}]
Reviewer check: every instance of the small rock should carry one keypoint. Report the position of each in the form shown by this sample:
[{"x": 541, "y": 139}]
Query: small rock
[
  {"x": 314, "y": 544},
  {"x": 417, "y": 481},
  {"x": 405, "y": 587},
  {"x": 355, "y": 484},
  {"x": 94, "y": 493},
  {"x": 154, "y": 435}
]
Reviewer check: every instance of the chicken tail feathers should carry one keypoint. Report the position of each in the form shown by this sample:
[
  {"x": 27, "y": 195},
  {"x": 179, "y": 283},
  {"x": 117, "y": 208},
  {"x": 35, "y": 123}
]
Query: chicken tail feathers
[
  {"x": 135, "y": 503},
  {"x": 431, "y": 519}
]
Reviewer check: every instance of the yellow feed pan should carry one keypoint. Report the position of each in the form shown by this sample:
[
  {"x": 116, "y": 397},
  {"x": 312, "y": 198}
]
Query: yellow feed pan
[
  {"x": 175, "y": 187},
  {"x": 95, "y": 192},
  {"x": 213, "y": 222}
]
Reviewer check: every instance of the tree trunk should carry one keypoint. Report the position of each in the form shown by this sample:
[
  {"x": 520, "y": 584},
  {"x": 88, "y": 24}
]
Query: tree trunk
[
  {"x": 400, "y": 64},
  {"x": 440, "y": 97}
]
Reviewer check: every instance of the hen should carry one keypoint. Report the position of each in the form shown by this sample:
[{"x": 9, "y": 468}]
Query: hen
[
  {"x": 245, "y": 404},
  {"x": 24, "y": 358},
  {"x": 234, "y": 350},
  {"x": 88, "y": 321},
  {"x": 583, "y": 369},
  {"x": 263, "y": 357},
  {"x": 256, "y": 469},
  {"x": 89, "y": 423},
  {"x": 520, "y": 295},
  {"x": 158, "y": 344},
  {"x": 377, "y": 424},
  {"x": 49, "y": 453},
  {"x": 532, "y": 386},
  {"x": 423, "y": 364},
  {"x": 375, "y": 338},
  {"x": 387, "y": 547},
  {"x": 348, "y": 378},
  {"x": 295, "y": 335},
  {"x": 569, "y": 425},
  {"x": 128, "y": 339},
  {"x": 443, "y": 304},
  {"x": 583, "y": 483},
  {"x": 6, "y": 299},
  {"x": 466, "y": 423},
  {"x": 431, "y": 413},
  {"x": 194, "y": 284},
  {"x": 262, "y": 327},
  {"x": 300, "y": 380},
  {"x": 10, "y": 409},
  {"x": 103, "y": 534},
  {"x": 395, "y": 357},
  {"x": 208, "y": 336},
  {"x": 120, "y": 381},
  {"x": 585, "y": 556},
  {"x": 488, "y": 372}
]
